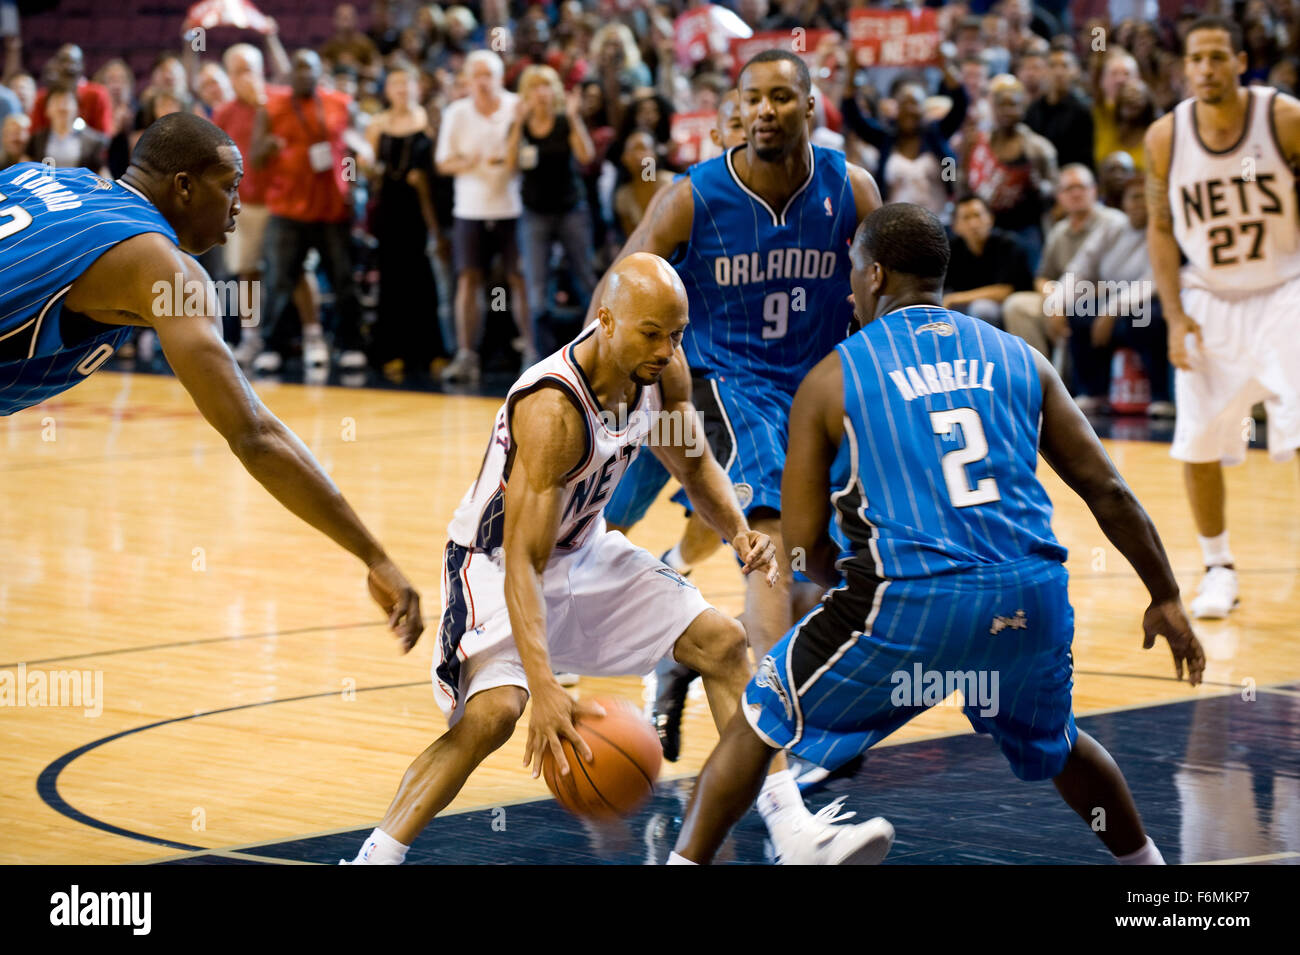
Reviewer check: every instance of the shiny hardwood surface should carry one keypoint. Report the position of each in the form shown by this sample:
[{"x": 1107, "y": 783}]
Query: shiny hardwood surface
[{"x": 133, "y": 546}]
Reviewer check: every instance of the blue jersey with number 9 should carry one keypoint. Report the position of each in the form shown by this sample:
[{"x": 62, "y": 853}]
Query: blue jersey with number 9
[
  {"x": 936, "y": 471},
  {"x": 768, "y": 288},
  {"x": 54, "y": 224}
]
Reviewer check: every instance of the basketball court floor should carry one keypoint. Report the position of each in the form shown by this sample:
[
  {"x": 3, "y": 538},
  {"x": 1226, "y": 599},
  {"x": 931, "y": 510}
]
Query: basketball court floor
[{"x": 241, "y": 700}]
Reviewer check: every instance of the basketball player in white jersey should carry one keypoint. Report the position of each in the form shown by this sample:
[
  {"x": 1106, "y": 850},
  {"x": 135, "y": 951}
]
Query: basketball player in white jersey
[
  {"x": 533, "y": 582},
  {"x": 1220, "y": 187}
]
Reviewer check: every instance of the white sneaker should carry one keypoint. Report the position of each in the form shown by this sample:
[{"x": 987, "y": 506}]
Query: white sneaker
[
  {"x": 464, "y": 370},
  {"x": 1217, "y": 594},
  {"x": 268, "y": 361},
  {"x": 352, "y": 358},
  {"x": 817, "y": 841},
  {"x": 315, "y": 353}
]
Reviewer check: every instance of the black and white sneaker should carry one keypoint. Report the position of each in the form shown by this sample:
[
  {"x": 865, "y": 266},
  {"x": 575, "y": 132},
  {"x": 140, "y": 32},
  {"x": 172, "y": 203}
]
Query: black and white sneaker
[{"x": 674, "y": 681}]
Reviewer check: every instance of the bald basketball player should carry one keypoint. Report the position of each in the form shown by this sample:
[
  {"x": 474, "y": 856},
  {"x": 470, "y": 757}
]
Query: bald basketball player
[
  {"x": 83, "y": 259},
  {"x": 647, "y": 477},
  {"x": 534, "y": 582}
]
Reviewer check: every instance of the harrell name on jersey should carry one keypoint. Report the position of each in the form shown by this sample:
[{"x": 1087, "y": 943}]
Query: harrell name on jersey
[
  {"x": 479, "y": 521},
  {"x": 1234, "y": 211}
]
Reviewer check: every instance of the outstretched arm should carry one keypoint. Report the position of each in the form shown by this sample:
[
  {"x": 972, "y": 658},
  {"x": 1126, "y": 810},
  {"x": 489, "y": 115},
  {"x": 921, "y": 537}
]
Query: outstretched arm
[
  {"x": 1071, "y": 447},
  {"x": 123, "y": 279},
  {"x": 548, "y": 435},
  {"x": 816, "y": 429},
  {"x": 691, "y": 462}
]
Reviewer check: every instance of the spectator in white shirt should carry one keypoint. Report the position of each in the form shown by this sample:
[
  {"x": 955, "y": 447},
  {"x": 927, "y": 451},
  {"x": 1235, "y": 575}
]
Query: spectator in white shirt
[{"x": 487, "y": 204}]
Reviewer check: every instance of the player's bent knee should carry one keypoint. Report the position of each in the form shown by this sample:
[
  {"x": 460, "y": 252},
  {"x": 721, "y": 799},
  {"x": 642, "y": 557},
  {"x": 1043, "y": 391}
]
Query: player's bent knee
[
  {"x": 714, "y": 645},
  {"x": 490, "y": 717}
]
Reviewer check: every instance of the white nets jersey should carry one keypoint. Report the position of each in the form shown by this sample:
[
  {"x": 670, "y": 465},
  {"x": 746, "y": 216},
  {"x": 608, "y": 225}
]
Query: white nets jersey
[
  {"x": 1235, "y": 210},
  {"x": 611, "y": 442}
]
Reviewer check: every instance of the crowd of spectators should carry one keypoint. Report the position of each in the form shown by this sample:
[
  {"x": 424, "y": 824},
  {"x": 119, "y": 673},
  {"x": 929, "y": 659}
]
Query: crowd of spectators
[{"x": 450, "y": 180}]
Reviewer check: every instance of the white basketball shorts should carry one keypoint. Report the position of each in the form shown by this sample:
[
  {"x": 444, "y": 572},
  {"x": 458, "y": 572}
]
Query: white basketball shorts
[
  {"x": 612, "y": 609},
  {"x": 1249, "y": 352}
]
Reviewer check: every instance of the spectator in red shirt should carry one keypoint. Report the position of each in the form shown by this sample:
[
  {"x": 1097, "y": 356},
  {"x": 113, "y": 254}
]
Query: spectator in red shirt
[
  {"x": 93, "y": 102},
  {"x": 243, "y": 252},
  {"x": 298, "y": 141}
]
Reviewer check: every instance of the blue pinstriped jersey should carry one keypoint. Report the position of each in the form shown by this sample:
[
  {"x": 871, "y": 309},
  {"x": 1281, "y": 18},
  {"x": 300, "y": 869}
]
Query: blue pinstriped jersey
[
  {"x": 936, "y": 472},
  {"x": 768, "y": 288},
  {"x": 54, "y": 224}
]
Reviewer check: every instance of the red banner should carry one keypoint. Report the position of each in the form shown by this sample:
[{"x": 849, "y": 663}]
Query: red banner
[
  {"x": 705, "y": 31},
  {"x": 690, "y": 137},
  {"x": 895, "y": 37},
  {"x": 799, "y": 40},
  {"x": 226, "y": 13}
]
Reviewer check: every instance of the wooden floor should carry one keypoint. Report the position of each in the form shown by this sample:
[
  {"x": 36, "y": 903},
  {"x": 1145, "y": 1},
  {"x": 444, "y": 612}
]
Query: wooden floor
[{"x": 134, "y": 546}]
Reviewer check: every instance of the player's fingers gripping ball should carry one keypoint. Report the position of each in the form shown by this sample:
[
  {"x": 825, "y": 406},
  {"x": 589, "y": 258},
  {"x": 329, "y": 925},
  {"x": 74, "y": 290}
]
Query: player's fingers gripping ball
[{"x": 625, "y": 761}]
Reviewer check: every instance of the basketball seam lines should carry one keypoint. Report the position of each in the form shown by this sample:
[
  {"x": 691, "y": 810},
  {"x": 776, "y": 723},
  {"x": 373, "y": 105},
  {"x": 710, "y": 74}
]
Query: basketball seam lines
[
  {"x": 601, "y": 796},
  {"x": 624, "y": 754}
]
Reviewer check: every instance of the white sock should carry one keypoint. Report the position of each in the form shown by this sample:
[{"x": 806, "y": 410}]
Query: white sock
[
  {"x": 778, "y": 797},
  {"x": 381, "y": 849},
  {"x": 674, "y": 560},
  {"x": 1147, "y": 855},
  {"x": 675, "y": 859},
  {"x": 1215, "y": 550}
]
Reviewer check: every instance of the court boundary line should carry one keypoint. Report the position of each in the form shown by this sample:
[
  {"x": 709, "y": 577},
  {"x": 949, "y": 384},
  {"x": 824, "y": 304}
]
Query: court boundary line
[
  {"x": 293, "y": 632},
  {"x": 376, "y": 389},
  {"x": 47, "y": 782},
  {"x": 240, "y": 856},
  {"x": 215, "y": 448},
  {"x": 351, "y": 626},
  {"x": 1247, "y": 860},
  {"x": 485, "y": 807}
]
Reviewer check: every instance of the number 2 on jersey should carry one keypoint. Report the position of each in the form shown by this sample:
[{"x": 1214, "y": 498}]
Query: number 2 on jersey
[
  {"x": 976, "y": 448},
  {"x": 13, "y": 219}
]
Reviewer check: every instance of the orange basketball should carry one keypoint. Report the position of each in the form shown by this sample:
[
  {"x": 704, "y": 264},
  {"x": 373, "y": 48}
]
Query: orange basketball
[{"x": 625, "y": 761}]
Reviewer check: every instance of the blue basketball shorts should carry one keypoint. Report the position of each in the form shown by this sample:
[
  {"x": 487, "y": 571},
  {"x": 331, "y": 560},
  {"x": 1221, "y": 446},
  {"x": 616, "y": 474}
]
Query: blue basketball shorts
[
  {"x": 747, "y": 424},
  {"x": 639, "y": 487},
  {"x": 876, "y": 653}
]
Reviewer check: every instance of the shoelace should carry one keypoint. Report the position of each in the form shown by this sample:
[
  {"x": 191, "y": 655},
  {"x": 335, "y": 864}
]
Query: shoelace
[
  {"x": 827, "y": 815},
  {"x": 830, "y": 813}
]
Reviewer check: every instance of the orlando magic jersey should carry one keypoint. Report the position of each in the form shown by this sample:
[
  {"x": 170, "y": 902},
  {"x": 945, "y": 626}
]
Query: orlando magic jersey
[
  {"x": 479, "y": 521},
  {"x": 54, "y": 224},
  {"x": 936, "y": 472},
  {"x": 768, "y": 288}
]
